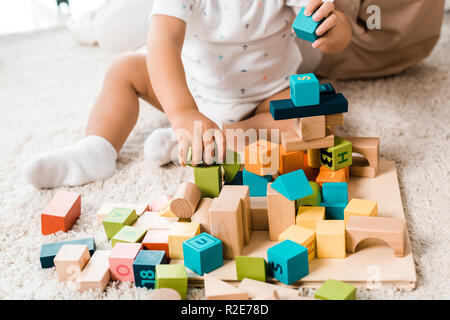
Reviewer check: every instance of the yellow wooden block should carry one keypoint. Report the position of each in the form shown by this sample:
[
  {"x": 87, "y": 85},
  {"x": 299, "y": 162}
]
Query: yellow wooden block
[
  {"x": 178, "y": 233},
  {"x": 303, "y": 236},
  {"x": 360, "y": 207},
  {"x": 314, "y": 158},
  {"x": 308, "y": 217},
  {"x": 330, "y": 239},
  {"x": 165, "y": 211}
]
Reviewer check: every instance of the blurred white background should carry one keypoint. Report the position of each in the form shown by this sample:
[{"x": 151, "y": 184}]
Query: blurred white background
[{"x": 30, "y": 15}]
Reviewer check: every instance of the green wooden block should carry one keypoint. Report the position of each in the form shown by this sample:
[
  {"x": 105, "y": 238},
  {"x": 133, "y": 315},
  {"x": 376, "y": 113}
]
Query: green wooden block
[
  {"x": 117, "y": 219},
  {"x": 209, "y": 180},
  {"x": 337, "y": 157},
  {"x": 231, "y": 166},
  {"x": 314, "y": 199},
  {"x": 335, "y": 290},
  {"x": 128, "y": 234},
  {"x": 172, "y": 276},
  {"x": 251, "y": 267}
]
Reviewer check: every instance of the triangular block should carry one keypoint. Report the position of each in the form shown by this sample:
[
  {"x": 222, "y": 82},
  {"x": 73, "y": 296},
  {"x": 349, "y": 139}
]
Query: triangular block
[
  {"x": 293, "y": 185},
  {"x": 216, "y": 289}
]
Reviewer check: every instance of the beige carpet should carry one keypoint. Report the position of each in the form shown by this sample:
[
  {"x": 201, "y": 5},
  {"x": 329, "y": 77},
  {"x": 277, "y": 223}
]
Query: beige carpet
[{"x": 48, "y": 84}]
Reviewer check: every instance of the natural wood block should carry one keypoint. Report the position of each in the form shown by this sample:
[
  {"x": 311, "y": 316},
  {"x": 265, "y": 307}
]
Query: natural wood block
[
  {"x": 226, "y": 225},
  {"x": 314, "y": 158},
  {"x": 335, "y": 290},
  {"x": 328, "y": 175},
  {"x": 50, "y": 250},
  {"x": 61, "y": 212},
  {"x": 216, "y": 289},
  {"x": 70, "y": 260},
  {"x": 165, "y": 294},
  {"x": 157, "y": 239},
  {"x": 310, "y": 128},
  {"x": 159, "y": 202},
  {"x": 268, "y": 296},
  {"x": 185, "y": 200},
  {"x": 262, "y": 157},
  {"x": 178, "y": 233},
  {"x": 280, "y": 211},
  {"x": 117, "y": 219},
  {"x": 292, "y": 142},
  {"x": 338, "y": 156},
  {"x": 121, "y": 260},
  {"x": 258, "y": 208},
  {"x": 128, "y": 234},
  {"x": 360, "y": 207},
  {"x": 95, "y": 274},
  {"x": 390, "y": 230},
  {"x": 303, "y": 236},
  {"x": 106, "y": 208},
  {"x": 334, "y": 120},
  {"x": 290, "y": 161},
  {"x": 308, "y": 217},
  {"x": 201, "y": 216},
  {"x": 369, "y": 148},
  {"x": 256, "y": 288},
  {"x": 243, "y": 193},
  {"x": 152, "y": 220},
  {"x": 330, "y": 239}
]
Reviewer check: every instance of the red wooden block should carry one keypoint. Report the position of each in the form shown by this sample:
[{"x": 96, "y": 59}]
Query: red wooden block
[
  {"x": 311, "y": 173},
  {"x": 61, "y": 212},
  {"x": 157, "y": 239}
]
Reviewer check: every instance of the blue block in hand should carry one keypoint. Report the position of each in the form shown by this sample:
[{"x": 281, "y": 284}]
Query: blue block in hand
[
  {"x": 305, "y": 27},
  {"x": 203, "y": 253},
  {"x": 288, "y": 261},
  {"x": 305, "y": 90},
  {"x": 257, "y": 184},
  {"x": 335, "y": 192},
  {"x": 144, "y": 267}
]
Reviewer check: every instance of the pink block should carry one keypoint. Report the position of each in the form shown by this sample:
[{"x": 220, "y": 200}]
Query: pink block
[
  {"x": 159, "y": 202},
  {"x": 121, "y": 261}
]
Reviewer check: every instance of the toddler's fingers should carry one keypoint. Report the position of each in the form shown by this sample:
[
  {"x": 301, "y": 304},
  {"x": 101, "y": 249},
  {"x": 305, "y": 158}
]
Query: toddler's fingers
[
  {"x": 319, "y": 42},
  {"x": 312, "y": 6},
  {"x": 323, "y": 11},
  {"x": 329, "y": 23}
]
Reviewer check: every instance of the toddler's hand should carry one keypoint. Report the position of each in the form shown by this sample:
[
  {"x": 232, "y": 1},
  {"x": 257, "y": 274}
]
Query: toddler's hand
[
  {"x": 194, "y": 129},
  {"x": 335, "y": 31}
]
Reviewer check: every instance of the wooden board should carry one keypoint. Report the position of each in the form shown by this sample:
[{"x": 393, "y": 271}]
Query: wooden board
[{"x": 357, "y": 268}]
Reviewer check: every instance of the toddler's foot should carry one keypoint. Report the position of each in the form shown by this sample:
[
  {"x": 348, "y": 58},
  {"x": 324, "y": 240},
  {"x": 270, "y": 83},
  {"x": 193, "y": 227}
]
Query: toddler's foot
[
  {"x": 92, "y": 158},
  {"x": 161, "y": 147}
]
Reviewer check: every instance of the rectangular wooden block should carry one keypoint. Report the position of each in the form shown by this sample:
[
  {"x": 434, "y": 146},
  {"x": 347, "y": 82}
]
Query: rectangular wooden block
[
  {"x": 290, "y": 161},
  {"x": 310, "y": 128},
  {"x": 308, "y": 217},
  {"x": 172, "y": 276},
  {"x": 305, "y": 27},
  {"x": 216, "y": 289},
  {"x": 361, "y": 207},
  {"x": 292, "y": 142},
  {"x": 128, "y": 234},
  {"x": 152, "y": 220},
  {"x": 95, "y": 274},
  {"x": 50, "y": 250},
  {"x": 251, "y": 267},
  {"x": 329, "y": 104},
  {"x": 328, "y": 175},
  {"x": 178, "y": 233},
  {"x": 117, "y": 219},
  {"x": 121, "y": 260},
  {"x": 369, "y": 148},
  {"x": 262, "y": 157},
  {"x": 226, "y": 225},
  {"x": 157, "y": 239},
  {"x": 303, "y": 236},
  {"x": 106, "y": 208},
  {"x": 334, "y": 120},
  {"x": 70, "y": 260},
  {"x": 61, "y": 212},
  {"x": 201, "y": 216},
  {"x": 280, "y": 211},
  {"x": 330, "y": 239},
  {"x": 258, "y": 208},
  {"x": 336, "y": 290},
  {"x": 256, "y": 288},
  {"x": 241, "y": 192}
]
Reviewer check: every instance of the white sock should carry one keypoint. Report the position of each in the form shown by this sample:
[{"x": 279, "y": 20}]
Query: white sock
[
  {"x": 161, "y": 147},
  {"x": 92, "y": 158}
]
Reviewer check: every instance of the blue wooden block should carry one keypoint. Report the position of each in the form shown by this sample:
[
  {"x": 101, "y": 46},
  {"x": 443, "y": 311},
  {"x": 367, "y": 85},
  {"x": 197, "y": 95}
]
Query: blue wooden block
[
  {"x": 50, "y": 250},
  {"x": 304, "y": 89},
  {"x": 334, "y": 211},
  {"x": 288, "y": 261},
  {"x": 329, "y": 104},
  {"x": 144, "y": 267},
  {"x": 305, "y": 27},
  {"x": 326, "y": 88},
  {"x": 203, "y": 253},
  {"x": 293, "y": 185},
  {"x": 335, "y": 192},
  {"x": 237, "y": 180},
  {"x": 257, "y": 184}
]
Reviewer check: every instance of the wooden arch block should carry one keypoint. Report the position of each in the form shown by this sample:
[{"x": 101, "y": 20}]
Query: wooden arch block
[
  {"x": 390, "y": 230},
  {"x": 370, "y": 149}
]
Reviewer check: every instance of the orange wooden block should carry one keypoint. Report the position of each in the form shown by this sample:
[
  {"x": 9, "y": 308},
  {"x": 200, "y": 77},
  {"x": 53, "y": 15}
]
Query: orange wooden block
[
  {"x": 290, "y": 161},
  {"x": 311, "y": 173},
  {"x": 61, "y": 212},
  {"x": 262, "y": 157},
  {"x": 328, "y": 175},
  {"x": 157, "y": 239}
]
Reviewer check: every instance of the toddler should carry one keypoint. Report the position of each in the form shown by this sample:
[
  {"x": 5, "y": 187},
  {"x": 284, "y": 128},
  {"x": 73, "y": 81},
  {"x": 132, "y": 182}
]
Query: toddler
[{"x": 210, "y": 62}]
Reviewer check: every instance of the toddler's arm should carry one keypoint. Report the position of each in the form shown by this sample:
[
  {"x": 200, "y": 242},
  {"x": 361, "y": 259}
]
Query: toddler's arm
[{"x": 168, "y": 79}]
